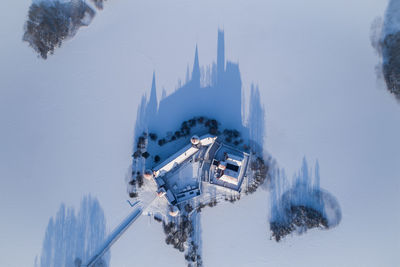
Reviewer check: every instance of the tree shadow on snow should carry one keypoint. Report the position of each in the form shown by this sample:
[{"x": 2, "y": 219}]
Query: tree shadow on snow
[
  {"x": 302, "y": 205},
  {"x": 72, "y": 237}
]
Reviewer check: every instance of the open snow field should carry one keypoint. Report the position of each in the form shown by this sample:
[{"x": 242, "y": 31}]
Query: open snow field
[{"x": 67, "y": 125}]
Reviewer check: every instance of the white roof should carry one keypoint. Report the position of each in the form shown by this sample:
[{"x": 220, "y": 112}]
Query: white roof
[
  {"x": 207, "y": 139},
  {"x": 229, "y": 179},
  {"x": 177, "y": 159},
  {"x": 236, "y": 159},
  {"x": 182, "y": 155}
]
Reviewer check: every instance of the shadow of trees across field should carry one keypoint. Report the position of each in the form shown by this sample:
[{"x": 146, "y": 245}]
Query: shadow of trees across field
[
  {"x": 302, "y": 204},
  {"x": 72, "y": 237}
]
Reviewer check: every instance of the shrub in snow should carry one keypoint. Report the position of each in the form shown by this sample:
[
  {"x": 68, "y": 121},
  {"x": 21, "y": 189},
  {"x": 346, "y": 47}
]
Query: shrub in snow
[{"x": 153, "y": 136}]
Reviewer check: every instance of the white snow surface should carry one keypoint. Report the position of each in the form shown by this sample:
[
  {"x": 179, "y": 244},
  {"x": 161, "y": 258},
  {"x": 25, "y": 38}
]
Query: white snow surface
[{"x": 67, "y": 125}]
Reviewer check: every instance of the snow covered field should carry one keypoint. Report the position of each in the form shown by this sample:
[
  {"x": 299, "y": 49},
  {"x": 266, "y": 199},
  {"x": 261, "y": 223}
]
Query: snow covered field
[{"x": 67, "y": 125}]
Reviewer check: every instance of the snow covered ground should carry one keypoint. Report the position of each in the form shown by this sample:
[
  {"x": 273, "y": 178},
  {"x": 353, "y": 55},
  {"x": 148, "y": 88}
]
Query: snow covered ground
[{"x": 67, "y": 125}]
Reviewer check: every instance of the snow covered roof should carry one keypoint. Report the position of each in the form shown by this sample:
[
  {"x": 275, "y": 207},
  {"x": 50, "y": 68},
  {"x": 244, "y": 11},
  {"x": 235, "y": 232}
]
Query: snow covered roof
[
  {"x": 229, "y": 167},
  {"x": 176, "y": 159},
  {"x": 179, "y": 157},
  {"x": 230, "y": 179}
]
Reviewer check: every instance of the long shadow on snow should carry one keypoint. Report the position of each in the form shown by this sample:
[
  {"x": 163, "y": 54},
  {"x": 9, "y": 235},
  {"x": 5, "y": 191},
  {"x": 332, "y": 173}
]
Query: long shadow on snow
[
  {"x": 72, "y": 237},
  {"x": 302, "y": 205}
]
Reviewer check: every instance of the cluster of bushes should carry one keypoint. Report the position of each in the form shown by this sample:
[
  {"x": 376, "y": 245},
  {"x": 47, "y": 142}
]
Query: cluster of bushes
[
  {"x": 142, "y": 144},
  {"x": 193, "y": 256},
  {"x": 297, "y": 216},
  {"x": 136, "y": 181},
  {"x": 137, "y": 178},
  {"x": 141, "y": 147},
  {"x": 177, "y": 234},
  {"x": 186, "y": 127},
  {"x": 212, "y": 203},
  {"x": 280, "y": 229},
  {"x": 232, "y": 198},
  {"x": 391, "y": 66},
  {"x": 212, "y": 126},
  {"x": 133, "y": 194},
  {"x": 98, "y": 3},
  {"x": 200, "y": 206},
  {"x": 153, "y": 136},
  {"x": 232, "y": 137},
  {"x": 259, "y": 174}
]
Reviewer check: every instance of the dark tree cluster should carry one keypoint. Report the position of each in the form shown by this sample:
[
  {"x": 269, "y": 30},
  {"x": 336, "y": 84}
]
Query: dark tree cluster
[
  {"x": 232, "y": 198},
  {"x": 133, "y": 194},
  {"x": 391, "y": 66},
  {"x": 153, "y": 136},
  {"x": 200, "y": 206},
  {"x": 139, "y": 179},
  {"x": 141, "y": 144},
  {"x": 188, "y": 208},
  {"x": 232, "y": 137},
  {"x": 259, "y": 174},
  {"x": 298, "y": 217},
  {"x": 186, "y": 127},
  {"x": 177, "y": 234},
  {"x": 50, "y": 23},
  {"x": 136, "y": 182},
  {"x": 141, "y": 147},
  {"x": 136, "y": 154},
  {"x": 162, "y": 142},
  {"x": 193, "y": 256},
  {"x": 212, "y": 126},
  {"x": 212, "y": 203},
  {"x": 99, "y": 4}
]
